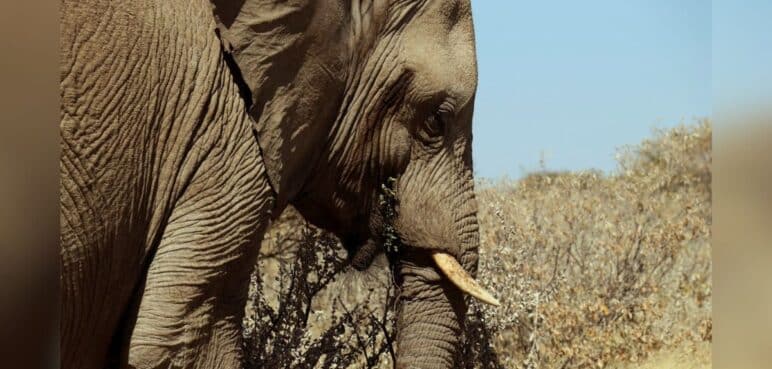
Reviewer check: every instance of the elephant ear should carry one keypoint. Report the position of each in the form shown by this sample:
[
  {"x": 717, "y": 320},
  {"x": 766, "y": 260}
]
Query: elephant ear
[
  {"x": 286, "y": 59},
  {"x": 264, "y": 38}
]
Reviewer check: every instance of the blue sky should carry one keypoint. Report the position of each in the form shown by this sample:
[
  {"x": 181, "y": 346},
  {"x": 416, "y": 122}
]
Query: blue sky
[{"x": 574, "y": 80}]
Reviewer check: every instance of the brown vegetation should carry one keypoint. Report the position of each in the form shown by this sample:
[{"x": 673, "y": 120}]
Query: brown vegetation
[{"x": 592, "y": 270}]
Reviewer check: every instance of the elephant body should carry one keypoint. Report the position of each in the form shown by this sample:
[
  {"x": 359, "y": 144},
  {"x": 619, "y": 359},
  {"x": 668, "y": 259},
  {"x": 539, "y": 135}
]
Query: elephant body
[
  {"x": 187, "y": 125},
  {"x": 164, "y": 195}
]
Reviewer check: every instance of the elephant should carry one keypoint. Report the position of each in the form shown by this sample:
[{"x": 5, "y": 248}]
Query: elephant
[{"x": 187, "y": 126}]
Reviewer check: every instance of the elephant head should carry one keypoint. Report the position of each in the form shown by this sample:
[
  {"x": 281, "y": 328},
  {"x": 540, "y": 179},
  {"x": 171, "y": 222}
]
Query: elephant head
[{"x": 349, "y": 93}]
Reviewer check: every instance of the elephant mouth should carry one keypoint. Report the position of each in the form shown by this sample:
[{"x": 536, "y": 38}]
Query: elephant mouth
[{"x": 362, "y": 257}]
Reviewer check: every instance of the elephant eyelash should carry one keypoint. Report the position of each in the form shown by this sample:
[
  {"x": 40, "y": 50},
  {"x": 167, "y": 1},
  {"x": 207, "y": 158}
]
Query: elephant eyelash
[{"x": 447, "y": 107}]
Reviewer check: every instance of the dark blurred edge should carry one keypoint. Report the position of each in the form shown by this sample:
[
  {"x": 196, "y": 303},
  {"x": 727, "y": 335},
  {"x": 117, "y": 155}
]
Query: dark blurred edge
[
  {"x": 29, "y": 227},
  {"x": 742, "y": 239},
  {"x": 742, "y": 185}
]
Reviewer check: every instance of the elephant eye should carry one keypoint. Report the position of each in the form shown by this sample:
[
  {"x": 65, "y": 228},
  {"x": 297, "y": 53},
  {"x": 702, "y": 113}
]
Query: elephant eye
[{"x": 434, "y": 128}]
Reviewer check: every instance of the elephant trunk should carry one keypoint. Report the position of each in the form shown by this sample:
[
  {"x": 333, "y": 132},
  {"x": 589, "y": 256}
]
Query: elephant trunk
[
  {"x": 430, "y": 320},
  {"x": 438, "y": 223}
]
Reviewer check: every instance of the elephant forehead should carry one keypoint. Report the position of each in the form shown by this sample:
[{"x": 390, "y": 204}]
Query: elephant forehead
[{"x": 439, "y": 48}]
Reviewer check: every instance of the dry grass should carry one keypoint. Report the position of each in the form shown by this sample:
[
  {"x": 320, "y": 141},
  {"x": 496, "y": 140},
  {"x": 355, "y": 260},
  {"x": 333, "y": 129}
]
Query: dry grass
[
  {"x": 593, "y": 270},
  {"x": 598, "y": 269}
]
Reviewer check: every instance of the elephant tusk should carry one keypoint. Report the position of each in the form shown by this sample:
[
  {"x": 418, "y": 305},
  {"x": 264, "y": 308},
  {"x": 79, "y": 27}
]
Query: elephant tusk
[{"x": 456, "y": 273}]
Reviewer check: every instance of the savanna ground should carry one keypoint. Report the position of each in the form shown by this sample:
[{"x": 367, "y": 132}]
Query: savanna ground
[{"x": 593, "y": 271}]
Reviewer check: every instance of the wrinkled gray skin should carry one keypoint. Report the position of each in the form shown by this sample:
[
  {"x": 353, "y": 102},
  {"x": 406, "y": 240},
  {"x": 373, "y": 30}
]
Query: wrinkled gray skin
[{"x": 170, "y": 171}]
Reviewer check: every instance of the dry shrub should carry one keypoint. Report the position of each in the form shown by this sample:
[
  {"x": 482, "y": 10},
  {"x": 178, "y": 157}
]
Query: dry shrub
[
  {"x": 308, "y": 309},
  {"x": 592, "y": 270},
  {"x": 596, "y": 269}
]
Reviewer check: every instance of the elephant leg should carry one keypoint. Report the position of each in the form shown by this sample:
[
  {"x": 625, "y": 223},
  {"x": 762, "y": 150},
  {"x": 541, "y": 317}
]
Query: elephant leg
[
  {"x": 192, "y": 304},
  {"x": 100, "y": 264}
]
